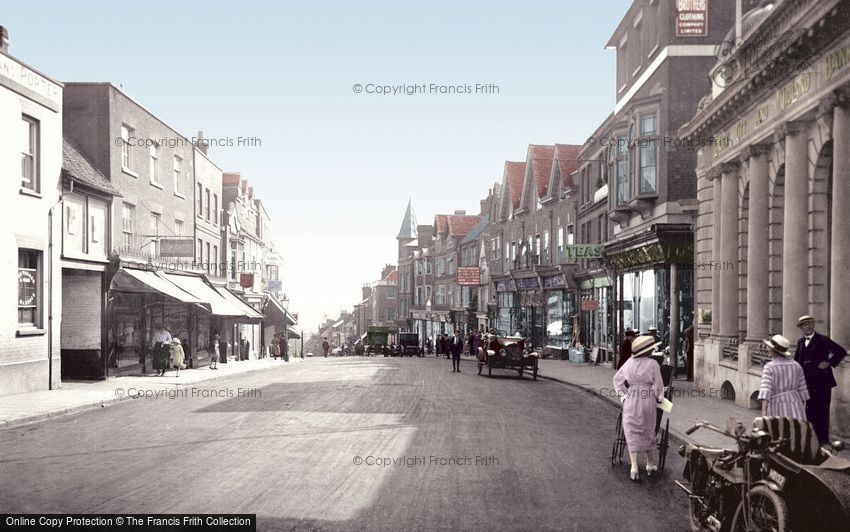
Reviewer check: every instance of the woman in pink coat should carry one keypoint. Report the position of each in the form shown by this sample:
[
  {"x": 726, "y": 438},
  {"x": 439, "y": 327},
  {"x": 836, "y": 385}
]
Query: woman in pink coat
[
  {"x": 783, "y": 390},
  {"x": 639, "y": 385}
]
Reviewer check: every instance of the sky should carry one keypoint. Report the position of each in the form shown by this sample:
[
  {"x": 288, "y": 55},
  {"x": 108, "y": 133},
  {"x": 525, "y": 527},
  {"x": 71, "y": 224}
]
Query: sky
[{"x": 334, "y": 167}]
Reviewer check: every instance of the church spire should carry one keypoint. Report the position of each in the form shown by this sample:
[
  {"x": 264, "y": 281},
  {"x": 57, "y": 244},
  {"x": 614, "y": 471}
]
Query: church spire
[{"x": 408, "y": 225}]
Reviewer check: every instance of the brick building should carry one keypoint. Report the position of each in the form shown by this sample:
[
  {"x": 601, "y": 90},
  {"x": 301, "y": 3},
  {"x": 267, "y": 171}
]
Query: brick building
[{"x": 31, "y": 220}]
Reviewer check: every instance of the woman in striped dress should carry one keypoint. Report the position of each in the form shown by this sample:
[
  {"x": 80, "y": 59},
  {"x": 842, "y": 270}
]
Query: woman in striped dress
[{"x": 783, "y": 390}]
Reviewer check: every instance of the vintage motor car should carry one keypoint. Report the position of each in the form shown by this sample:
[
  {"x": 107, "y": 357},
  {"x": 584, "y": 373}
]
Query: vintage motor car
[
  {"x": 511, "y": 354},
  {"x": 409, "y": 344}
]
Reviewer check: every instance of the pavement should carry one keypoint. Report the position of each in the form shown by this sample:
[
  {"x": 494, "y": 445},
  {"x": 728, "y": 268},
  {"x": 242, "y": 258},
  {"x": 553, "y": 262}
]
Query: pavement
[
  {"x": 347, "y": 444},
  {"x": 689, "y": 404},
  {"x": 76, "y": 396}
]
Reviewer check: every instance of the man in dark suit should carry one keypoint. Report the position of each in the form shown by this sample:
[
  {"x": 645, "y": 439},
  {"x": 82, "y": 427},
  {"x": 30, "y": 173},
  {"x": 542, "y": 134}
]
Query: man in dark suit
[
  {"x": 456, "y": 348},
  {"x": 626, "y": 348},
  {"x": 818, "y": 354}
]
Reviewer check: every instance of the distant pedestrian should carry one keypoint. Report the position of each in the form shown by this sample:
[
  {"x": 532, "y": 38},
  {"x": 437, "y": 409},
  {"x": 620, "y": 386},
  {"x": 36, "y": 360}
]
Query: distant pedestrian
[
  {"x": 428, "y": 346},
  {"x": 818, "y": 354},
  {"x": 626, "y": 348},
  {"x": 442, "y": 344},
  {"x": 177, "y": 356},
  {"x": 274, "y": 346},
  {"x": 326, "y": 347},
  {"x": 456, "y": 349},
  {"x": 640, "y": 386},
  {"x": 783, "y": 390},
  {"x": 160, "y": 349},
  {"x": 216, "y": 352}
]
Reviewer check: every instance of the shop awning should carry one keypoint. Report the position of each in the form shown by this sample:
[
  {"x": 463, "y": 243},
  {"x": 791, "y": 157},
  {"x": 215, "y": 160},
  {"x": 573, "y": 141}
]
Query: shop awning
[
  {"x": 199, "y": 288},
  {"x": 337, "y": 324},
  {"x": 250, "y": 311},
  {"x": 292, "y": 334},
  {"x": 131, "y": 280},
  {"x": 276, "y": 312}
]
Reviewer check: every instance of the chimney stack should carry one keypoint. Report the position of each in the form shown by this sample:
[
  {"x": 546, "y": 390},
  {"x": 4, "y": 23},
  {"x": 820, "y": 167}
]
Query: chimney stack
[
  {"x": 201, "y": 142},
  {"x": 4, "y": 39}
]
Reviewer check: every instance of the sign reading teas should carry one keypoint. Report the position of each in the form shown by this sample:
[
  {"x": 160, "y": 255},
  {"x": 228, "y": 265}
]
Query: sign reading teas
[{"x": 691, "y": 18}]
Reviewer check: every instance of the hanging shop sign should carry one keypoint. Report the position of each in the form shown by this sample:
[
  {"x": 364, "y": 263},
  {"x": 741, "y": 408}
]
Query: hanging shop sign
[
  {"x": 691, "y": 18},
  {"x": 589, "y": 304},
  {"x": 595, "y": 282},
  {"x": 246, "y": 280},
  {"x": 469, "y": 276},
  {"x": 176, "y": 247},
  {"x": 505, "y": 285},
  {"x": 584, "y": 251}
]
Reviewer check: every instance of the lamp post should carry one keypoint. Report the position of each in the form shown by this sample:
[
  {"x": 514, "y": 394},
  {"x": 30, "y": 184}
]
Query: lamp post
[{"x": 285, "y": 303}]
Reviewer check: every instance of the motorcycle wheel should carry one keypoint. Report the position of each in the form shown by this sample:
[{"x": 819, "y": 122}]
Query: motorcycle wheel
[
  {"x": 696, "y": 524},
  {"x": 768, "y": 511}
]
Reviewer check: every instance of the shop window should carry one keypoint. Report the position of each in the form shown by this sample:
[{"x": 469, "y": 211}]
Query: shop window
[{"x": 29, "y": 283}]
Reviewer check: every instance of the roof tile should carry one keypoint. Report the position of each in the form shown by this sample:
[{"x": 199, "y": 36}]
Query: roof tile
[{"x": 78, "y": 168}]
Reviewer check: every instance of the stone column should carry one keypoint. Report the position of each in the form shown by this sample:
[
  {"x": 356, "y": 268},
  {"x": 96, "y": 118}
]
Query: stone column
[
  {"x": 674, "y": 315},
  {"x": 795, "y": 248},
  {"x": 758, "y": 240},
  {"x": 728, "y": 251},
  {"x": 839, "y": 280},
  {"x": 714, "y": 176}
]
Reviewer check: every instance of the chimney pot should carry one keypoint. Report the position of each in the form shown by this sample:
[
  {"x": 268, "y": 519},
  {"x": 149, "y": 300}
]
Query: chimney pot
[{"x": 4, "y": 39}]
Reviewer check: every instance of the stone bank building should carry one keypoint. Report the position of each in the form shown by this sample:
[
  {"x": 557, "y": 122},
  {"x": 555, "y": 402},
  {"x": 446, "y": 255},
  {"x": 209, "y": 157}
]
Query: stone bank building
[{"x": 773, "y": 196}]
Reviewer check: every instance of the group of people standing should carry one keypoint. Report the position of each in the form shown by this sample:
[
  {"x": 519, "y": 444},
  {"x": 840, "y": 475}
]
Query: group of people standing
[
  {"x": 167, "y": 352},
  {"x": 277, "y": 348},
  {"x": 797, "y": 385}
]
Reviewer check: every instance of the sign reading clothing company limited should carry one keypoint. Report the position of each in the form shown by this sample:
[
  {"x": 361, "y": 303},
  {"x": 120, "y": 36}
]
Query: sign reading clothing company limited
[
  {"x": 691, "y": 18},
  {"x": 467, "y": 276}
]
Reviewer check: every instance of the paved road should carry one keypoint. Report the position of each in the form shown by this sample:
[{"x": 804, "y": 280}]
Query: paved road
[{"x": 529, "y": 455}]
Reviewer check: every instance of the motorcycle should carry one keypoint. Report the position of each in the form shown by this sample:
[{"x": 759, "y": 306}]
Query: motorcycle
[{"x": 778, "y": 479}]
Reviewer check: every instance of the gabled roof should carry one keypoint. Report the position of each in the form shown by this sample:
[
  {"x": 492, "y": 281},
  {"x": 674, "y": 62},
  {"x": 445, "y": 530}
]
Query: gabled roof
[
  {"x": 461, "y": 224},
  {"x": 476, "y": 231},
  {"x": 540, "y": 161},
  {"x": 77, "y": 168},
  {"x": 514, "y": 175},
  {"x": 392, "y": 276},
  {"x": 566, "y": 162},
  {"x": 408, "y": 225},
  {"x": 440, "y": 223}
]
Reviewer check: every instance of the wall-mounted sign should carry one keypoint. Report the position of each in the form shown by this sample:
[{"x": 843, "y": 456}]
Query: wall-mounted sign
[
  {"x": 176, "y": 247},
  {"x": 505, "y": 285},
  {"x": 691, "y": 18},
  {"x": 555, "y": 281},
  {"x": 27, "y": 288},
  {"x": 589, "y": 304},
  {"x": 275, "y": 286},
  {"x": 467, "y": 276},
  {"x": 527, "y": 283},
  {"x": 30, "y": 83},
  {"x": 584, "y": 251}
]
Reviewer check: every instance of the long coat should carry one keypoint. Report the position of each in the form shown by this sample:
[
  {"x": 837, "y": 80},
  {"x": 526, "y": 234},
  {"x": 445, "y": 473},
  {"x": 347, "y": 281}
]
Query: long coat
[
  {"x": 821, "y": 349},
  {"x": 639, "y": 382},
  {"x": 178, "y": 356}
]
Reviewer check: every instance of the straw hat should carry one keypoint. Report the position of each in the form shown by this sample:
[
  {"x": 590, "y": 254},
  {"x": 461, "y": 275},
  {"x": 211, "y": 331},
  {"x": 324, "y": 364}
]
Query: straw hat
[
  {"x": 804, "y": 320},
  {"x": 175, "y": 341},
  {"x": 779, "y": 344},
  {"x": 644, "y": 345}
]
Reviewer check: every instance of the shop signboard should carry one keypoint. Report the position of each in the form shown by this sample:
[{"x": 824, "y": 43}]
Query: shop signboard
[
  {"x": 584, "y": 251},
  {"x": 246, "y": 280},
  {"x": 177, "y": 247},
  {"x": 555, "y": 281},
  {"x": 469, "y": 276},
  {"x": 527, "y": 283},
  {"x": 589, "y": 304},
  {"x": 505, "y": 285},
  {"x": 691, "y": 18}
]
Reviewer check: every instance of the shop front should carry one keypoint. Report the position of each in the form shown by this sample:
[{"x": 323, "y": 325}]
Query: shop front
[
  {"x": 595, "y": 323},
  {"x": 654, "y": 288},
  {"x": 560, "y": 316}
]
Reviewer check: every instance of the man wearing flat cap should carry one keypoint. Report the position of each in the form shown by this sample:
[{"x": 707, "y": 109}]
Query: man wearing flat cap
[{"x": 818, "y": 354}]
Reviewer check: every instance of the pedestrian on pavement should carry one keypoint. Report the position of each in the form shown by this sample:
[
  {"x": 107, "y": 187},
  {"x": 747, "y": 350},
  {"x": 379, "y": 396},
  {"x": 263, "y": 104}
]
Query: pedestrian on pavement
[
  {"x": 456, "y": 349},
  {"x": 326, "y": 347},
  {"x": 177, "y": 356},
  {"x": 274, "y": 347},
  {"x": 283, "y": 347},
  {"x": 442, "y": 345},
  {"x": 160, "y": 348},
  {"x": 783, "y": 390},
  {"x": 688, "y": 347},
  {"x": 640, "y": 387},
  {"x": 818, "y": 354},
  {"x": 626, "y": 348},
  {"x": 428, "y": 346},
  {"x": 216, "y": 352}
]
